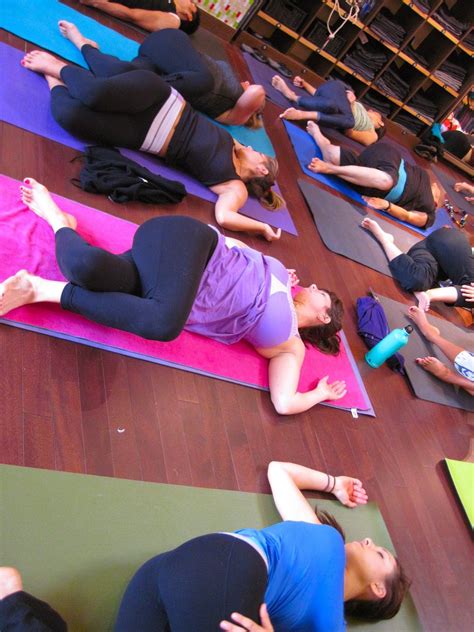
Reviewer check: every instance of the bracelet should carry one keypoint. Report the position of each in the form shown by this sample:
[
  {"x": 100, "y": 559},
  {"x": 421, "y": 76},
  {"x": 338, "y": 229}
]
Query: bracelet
[
  {"x": 328, "y": 483},
  {"x": 333, "y": 485},
  {"x": 388, "y": 207}
]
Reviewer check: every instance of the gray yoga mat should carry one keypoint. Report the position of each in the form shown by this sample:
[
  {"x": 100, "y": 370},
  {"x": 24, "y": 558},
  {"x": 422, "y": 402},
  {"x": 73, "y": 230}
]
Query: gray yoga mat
[
  {"x": 457, "y": 199},
  {"x": 425, "y": 385},
  {"x": 338, "y": 223}
]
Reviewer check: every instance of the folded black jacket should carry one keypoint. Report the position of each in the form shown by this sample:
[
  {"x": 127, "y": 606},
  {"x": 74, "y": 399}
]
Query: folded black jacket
[{"x": 106, "y": 171}]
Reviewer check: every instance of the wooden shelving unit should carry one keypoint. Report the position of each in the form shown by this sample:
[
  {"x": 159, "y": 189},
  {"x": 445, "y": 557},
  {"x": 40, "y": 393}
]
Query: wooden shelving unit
[{"x": 424, "y": 34}]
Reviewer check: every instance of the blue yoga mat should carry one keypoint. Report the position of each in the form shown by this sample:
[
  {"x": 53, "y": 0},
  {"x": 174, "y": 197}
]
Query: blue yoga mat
[
  {"x": 37, "y": 22},
  {"x": 306, "y": 149}
]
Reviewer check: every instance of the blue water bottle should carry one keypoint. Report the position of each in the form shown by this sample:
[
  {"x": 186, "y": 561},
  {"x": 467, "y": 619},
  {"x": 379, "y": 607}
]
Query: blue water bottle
[{"x": 389, "y": 345}]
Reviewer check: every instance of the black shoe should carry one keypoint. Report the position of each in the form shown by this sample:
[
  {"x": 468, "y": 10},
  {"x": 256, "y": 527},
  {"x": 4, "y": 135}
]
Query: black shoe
[{"x": 257, "y": 54}]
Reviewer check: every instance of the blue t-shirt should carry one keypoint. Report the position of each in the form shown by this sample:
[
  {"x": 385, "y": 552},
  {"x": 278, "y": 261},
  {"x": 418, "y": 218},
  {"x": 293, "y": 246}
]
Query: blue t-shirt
[{"x": 305, "y": 591}]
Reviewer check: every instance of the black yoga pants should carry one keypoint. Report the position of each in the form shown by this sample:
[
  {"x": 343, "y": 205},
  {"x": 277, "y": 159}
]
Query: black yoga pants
[
  {"x": 113, "y": 103},
  {"x": 444, "y": 254},
  {"x": 170, "y": 54},
  {"x": 22, "y": 612},
  {"x": 194, "y": 587},
  {"x": 148, "y": 291},
  {"x": 331, "y": 101}
]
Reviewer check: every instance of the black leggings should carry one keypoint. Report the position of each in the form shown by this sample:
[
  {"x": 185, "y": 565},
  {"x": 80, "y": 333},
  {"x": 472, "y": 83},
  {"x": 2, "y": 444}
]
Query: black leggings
[
  {"x": 194, "y": 587},
  {"x": 113, "y": 103},
  {"x": 331, "y": 101},
  {"x": 444, "y": 254},
  {"x": 149, "y": 290}
]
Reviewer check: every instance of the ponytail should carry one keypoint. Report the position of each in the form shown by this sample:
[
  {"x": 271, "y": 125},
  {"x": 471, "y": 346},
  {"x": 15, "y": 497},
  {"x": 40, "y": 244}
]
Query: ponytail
[{"x": 260, "y": 187}]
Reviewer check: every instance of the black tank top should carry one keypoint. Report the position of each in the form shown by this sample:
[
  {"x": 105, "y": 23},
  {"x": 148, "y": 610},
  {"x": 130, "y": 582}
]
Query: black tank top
[{"x": 202, "y": 149}]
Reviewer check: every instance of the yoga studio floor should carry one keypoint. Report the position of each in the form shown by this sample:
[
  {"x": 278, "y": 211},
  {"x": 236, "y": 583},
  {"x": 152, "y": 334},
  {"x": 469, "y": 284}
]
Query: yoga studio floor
[{"x": 69, "y": 407}]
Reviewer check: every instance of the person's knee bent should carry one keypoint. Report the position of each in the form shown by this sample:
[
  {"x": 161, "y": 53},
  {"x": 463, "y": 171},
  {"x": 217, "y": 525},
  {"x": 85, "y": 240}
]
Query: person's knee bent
[
  {"x": 66, "y": 111},
  {"x": 152, "y": 329},
  {"x": 82, "y": 270},
  {"x": 10, "y": 581}
]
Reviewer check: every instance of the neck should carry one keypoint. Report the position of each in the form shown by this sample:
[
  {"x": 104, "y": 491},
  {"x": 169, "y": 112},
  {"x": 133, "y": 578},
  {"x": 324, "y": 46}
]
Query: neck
[
  {"x": 352, "y": 586},
  {"x": 303, "y": 319}
]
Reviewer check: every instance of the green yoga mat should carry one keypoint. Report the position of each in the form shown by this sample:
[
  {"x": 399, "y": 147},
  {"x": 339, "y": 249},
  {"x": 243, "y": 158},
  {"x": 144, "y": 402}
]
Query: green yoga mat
[
  {"x": 462, "y": 476},
  {"x": 78, "y": 539}
]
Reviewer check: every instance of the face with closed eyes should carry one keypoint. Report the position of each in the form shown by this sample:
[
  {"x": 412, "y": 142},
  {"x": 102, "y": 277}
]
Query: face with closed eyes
[
  {"x": 371, "y": 565},
  {"x": 254, "y": 163}
]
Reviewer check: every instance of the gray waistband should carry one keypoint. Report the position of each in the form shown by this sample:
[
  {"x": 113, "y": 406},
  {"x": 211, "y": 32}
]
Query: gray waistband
[{"x": 163, "y": 123}]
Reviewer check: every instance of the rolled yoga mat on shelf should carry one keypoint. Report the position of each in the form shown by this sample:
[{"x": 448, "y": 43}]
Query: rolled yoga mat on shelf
[
  {"x": 306, "y": 149},
  {"x": 462, "y": 478},
  {"x": 79, "y": 556},
  {"x": 28, "y": 243},
  {"x": 425, "y": 385},
  {"x": 18, "y": 107},
  {"x": 338, "y": 223},
  {"x": 37, "y": 22},
  {"x": 448, "y": 181}
]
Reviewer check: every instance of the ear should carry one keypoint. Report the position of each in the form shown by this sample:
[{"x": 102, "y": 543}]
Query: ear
[
  {"x": 262, "y": 170},
  {"x": 324, "y": 318},
  {"x": 378, "y": 589}
]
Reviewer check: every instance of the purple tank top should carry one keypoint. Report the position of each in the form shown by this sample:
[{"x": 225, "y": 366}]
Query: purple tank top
[{"x": 243, "y": 295}]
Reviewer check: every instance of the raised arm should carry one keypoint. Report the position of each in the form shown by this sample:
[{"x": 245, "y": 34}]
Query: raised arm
[
  {"x": 232, "y": 196},
  {"x": 248, "y": 103},
  {"x": 417, "y": 218},
  {"x": 369, "y": 137},
  {"x": 284, "y": 371},
  {"x": 288, "y": 479}
]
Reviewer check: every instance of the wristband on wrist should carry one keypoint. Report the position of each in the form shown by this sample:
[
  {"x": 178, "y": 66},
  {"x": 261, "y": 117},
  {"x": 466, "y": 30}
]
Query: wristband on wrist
[
  {"x": 328, "y": 484},
  {"x": 389, "y": 207},
  {"x": 333, "y": 485}
]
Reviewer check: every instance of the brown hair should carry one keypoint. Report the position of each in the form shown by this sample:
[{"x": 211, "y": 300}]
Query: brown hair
[
  {"x": 261, "y": 187},
  {"x": 255, "y": 121},
  {"x": 325, "y": 337},
  {"x": 396, "y": 585}
]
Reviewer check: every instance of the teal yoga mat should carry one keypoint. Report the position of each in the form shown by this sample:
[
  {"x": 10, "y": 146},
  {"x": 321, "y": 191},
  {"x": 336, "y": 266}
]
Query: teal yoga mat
[
  {"x": 78, "y": 539},
  {"x": 37, "y": 22}
]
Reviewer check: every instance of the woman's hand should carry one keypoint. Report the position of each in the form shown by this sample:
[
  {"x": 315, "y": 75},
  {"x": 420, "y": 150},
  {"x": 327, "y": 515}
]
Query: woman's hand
[
  {"x": 298, "y": 82},
  {"x": 350, "y": 491},
  {"x": 294, "y": 280},
  {"x": 468, "y": 292},
  {"x": 333, "y": 391},
  {"x": 247, "y": 624},
  {"x": 378, "y": 203}
]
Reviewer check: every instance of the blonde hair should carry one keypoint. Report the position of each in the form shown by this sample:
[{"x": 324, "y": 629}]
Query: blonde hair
[
  {"x": 255, "y": 121},
  {"x": 260, "y": 187}
]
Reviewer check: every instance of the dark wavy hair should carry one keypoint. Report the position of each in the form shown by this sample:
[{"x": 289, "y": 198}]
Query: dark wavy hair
[
  {"x": 191, "y": 26},
  {"x": 260, "y": 187},
  {"x": 396, "y": 585},
  {"x": 325, "y": 336}
]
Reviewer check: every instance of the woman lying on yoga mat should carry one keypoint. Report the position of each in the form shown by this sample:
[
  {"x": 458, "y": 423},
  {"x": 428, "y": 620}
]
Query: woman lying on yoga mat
[
  {"x": 462, "y": 359},
  {"x": 209, "y": 86},
  {"x": 152, "y": 15},
  {"x": 380, "y": 174},
  {"x": 301, "y": 568},
  {"x": 332, "y": 105},
  {"x": 182, "y": 274},
  {"x": 138, "y": 110},
  {"x": 445, "y": 254}
]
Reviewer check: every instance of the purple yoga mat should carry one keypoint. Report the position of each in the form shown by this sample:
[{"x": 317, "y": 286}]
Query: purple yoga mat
[
  {"x": 263, "y": 74},
  {"x": 24, "y": 102}
]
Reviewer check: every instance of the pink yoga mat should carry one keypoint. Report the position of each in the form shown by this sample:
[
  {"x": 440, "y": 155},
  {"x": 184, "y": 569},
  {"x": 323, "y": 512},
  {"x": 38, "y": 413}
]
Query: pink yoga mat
[{"x": 28, "y": 242}]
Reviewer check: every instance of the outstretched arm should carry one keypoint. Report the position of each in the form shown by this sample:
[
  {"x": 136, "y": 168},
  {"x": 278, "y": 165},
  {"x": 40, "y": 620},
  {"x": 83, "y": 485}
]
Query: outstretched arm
[
  {"x": 145, "y": 19},
  {"x": 417, "y": 218},
  {"x": 284, "y": 371},
  {"x": 232, "y": 196},
  {"x": 366, "y": 138},
  {"x": 288, "y": 479}
]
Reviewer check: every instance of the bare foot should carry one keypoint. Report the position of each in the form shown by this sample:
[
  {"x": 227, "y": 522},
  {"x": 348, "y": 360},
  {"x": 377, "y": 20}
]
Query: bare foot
[
  {"x": 423, "y": 299},
  {"x": 10, "y": 581},
  {"x": 319, "y": 166},
  {"x": 418, "y": 316},
  {"x": 38, "y": 199},
  {"x": 374, "y": 227},
  {"x": 73, "y": 34},
  {"x": 16, "y": 291},
  {"x": 434, "y": 366},
  {"x": 270, "y": 234},
  {"x": 279, "y": 84},
  {"x": 44, "y": 63},
  {"x": 292, "y": 114},
  {"x": 298, "y": 82}
]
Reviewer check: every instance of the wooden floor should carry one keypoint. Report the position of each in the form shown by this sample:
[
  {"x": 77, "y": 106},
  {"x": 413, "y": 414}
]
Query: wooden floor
[{"x": 64, "y": 406}]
